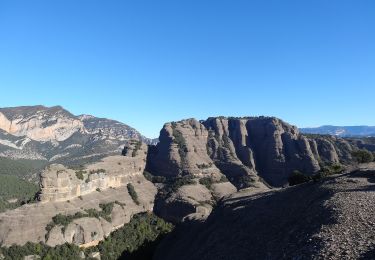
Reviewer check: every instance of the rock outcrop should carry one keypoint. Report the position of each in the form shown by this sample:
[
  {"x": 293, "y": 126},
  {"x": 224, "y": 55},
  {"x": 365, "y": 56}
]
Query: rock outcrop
[
  {"x": 59, "y": 183},
  {"x": 331, "y": 219},
  {"x": 68, "y": 192},
  {"x": 243, "y": 149}
]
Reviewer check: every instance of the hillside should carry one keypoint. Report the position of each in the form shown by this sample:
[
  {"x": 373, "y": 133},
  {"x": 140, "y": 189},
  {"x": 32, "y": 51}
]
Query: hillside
[
  {"x": 342, "y": 131},
  {"x": 55, "y": 135},
  {"x": 331, "y": 219}
]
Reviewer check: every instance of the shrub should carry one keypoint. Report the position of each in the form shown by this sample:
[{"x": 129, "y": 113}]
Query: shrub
[
  {"x": 223, "y": 178},
  {"x": 181, "y": 143},
  {"x": 65, "y": 220},
  {"x": 135, "y": 240},
  {"x": 204, "y": 166},
  {"x": 65, "y": 251},
  {"x": 206, "y": 181},
  {"x": 363, "y": 156},
  {"x": 79, "y": 174},
  {"x": 97, "y": 171},
  {"x": 107, "y": 208},
  {"x": 245, "y": 181},
  {"x": 133, "y": 194},
  {"x": 298, "y": 178},
  {"x": 136, "y": 148},
  {"x": 178, "y": 182},
  {"x": 154, "y": 179}
]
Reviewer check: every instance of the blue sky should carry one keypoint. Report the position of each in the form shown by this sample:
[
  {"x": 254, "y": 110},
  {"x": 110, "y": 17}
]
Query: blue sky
[{"x": 148, "y": 62}]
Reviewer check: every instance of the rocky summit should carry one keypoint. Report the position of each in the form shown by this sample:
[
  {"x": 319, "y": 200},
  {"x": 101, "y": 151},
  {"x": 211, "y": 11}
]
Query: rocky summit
[
  {"x": 248, "y": 151},
  {"x": 55, "y": 135}
]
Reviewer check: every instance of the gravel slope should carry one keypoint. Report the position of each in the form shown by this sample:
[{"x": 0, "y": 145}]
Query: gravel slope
[{"x": 332, "y": 219}]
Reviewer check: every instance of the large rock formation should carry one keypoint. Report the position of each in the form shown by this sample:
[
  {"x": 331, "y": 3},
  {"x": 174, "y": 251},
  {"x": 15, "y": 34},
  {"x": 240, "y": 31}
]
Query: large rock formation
[
  {"x": 39, "y": 123},
  {"x": 59, "y": 183},
  {"x": 242, "y": 149},
  {"x": 68, "y": 192},
  {"x": 331, "y": 219},
  {"x": 54, "y": 134}
]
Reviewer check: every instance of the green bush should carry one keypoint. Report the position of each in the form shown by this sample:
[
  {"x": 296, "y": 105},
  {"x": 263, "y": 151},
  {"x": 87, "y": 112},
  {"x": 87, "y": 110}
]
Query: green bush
[
  {"x": 138, "y": 146},
  {"x": 298, "y": 178},
  {"x": 363, "y": 156},
  {"x": 154, "y": 179},
  {"x": 206, "y": 181},
  {"x": 79, "y": 174},
  {"x": 178, "y": 182},
  {"x": 204, "y": 166},
  {"x": 65, "y": 220},
  {"x": 61, "y": 252},
  {"x": 181, "y": 143},
  {"x": 135, "y": 240},
  {"x": 133, "y": 194},
  {"x": 97, "y": 171},
  {"x": 223, "y": 178}
]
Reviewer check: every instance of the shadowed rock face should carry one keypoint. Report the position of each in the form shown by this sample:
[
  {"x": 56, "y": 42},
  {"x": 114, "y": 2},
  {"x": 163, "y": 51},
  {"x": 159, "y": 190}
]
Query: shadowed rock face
[
  {"x": 242, "y": 149},
  {"x": 331, "y": 219}
]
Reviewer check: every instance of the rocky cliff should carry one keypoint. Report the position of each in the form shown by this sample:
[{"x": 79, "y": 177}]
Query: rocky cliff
[
  {"x": 243, "y": 149},
  {"x": 90, "y": 202},
  {"x": 59, "y": 183},
  {"x": 56, "y": 135}
]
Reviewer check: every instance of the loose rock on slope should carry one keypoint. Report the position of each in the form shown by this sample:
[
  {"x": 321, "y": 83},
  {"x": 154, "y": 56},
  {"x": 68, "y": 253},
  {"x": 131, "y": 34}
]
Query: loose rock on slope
[{"x": 332, "y": 219}]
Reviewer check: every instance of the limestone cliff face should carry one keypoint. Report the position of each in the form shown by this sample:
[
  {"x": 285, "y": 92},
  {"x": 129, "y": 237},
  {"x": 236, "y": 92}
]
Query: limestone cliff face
[
  {"x": 42, "y": 124},
  {"x": 56, "y": 135},
  {"x": 242, "y": 149},
  {"x": 58, "y": 183}
]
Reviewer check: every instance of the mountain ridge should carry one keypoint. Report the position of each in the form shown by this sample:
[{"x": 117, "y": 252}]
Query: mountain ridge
[
  {"x": 342, "y": 131},
  {"x": 55, "y": 134}
]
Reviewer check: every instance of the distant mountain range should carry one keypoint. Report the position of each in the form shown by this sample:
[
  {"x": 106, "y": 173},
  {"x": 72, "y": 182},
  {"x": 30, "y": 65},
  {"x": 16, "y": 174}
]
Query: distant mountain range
[
  {"x": 55, "y": 135},
  {"x": 342, "y": 131}
]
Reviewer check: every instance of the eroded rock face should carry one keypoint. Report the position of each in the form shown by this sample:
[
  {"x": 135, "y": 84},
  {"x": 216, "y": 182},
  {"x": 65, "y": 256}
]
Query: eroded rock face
[
  {"x": 54, "y": 134},
  {"x": 189, "y": 202},
  {"x": 65, "y": 192},
  {"x": 242, "y": 149},
  {"x": 39, "y": 123},
  {"x": 58, "y": 183}
]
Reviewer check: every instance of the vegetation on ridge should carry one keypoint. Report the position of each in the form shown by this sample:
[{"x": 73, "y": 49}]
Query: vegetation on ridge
[
  {"x": 363, "y": 156},
  {"x": 135, "y": 240},
  {"x": 298, "y": 177},
  {"x": 133, "y": 194},
  {"x": 65, "y": 220}
]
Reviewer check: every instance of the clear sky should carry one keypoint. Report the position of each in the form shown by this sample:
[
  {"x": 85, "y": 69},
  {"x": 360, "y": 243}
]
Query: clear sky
[{"x": 145, "y": 63}]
